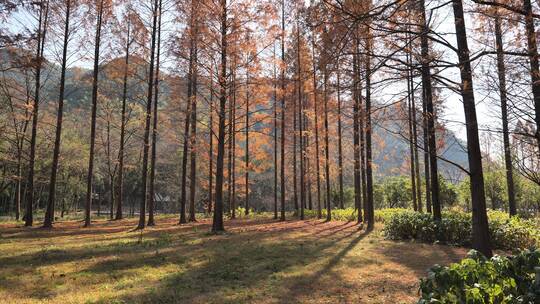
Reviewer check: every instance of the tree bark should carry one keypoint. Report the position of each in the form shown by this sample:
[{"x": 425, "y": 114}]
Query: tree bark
[
  {"x": 533, "y": 60},
  {"x": 152, "y": 195},
  {"x": 49, "y": 214},
  {"x": 144, "y": 194},
  {"x": 193, "y": 134},
  {"x": 90, "y": 177},
  {"x": 501, "y": 71},
  {"x": 217, "y": 223},
  {"x": 480, "y": 230},
  {"x": 121, "y": 153},
  {"x": 42, "y": 30},
  {"x": 283, "y": 108},
  {"x": 430, "y": 115}
]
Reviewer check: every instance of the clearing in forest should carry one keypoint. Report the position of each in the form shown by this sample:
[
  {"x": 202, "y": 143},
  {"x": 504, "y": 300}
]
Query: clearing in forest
[{"x": 256, "y": 261}]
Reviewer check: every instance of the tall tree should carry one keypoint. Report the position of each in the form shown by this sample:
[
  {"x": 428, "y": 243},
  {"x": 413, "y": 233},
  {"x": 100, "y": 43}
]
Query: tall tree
[
  {"x": 151, "y": 191},
  {"x": 151, "y": 74},
  {"x": 49, "y": 214},
  {"x": 427, "y": 96},
  {"x": 282, "y": 154},
  {"x": 90, "y": 177},
  {"x": 501, "y": 71},
  {"x": 217, "y": 223},
  {"x": 41, "y": 33},
  {"x": 480, "y": 230},
  {"x": 193, "y": 134},
  {"x": 121, "y": 151}
]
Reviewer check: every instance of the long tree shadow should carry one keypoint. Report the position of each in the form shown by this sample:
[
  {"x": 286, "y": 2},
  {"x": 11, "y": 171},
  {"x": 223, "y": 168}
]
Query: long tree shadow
[
  {"x": 300, "y": 285},
  {"x": 230, "y": 269}
]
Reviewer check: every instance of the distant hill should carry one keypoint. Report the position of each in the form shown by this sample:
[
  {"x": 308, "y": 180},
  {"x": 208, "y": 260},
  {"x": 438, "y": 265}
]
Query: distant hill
[{"x": 389, "y": 158}]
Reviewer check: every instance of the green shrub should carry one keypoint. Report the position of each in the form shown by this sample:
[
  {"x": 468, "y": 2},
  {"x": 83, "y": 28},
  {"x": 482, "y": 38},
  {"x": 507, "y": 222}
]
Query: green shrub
[
  {"x": 345, "y": 215},
  {"x": 455, "y": 228},
  {"x": 513, "y": 279}
]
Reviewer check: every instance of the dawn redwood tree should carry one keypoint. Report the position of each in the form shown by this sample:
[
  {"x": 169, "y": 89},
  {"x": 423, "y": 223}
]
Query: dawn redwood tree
[
  {"x": 49, "y": 214},
  {"x": 151, "y": 199},
  {"x": 121, "y": 153},
  {"x": 370, "y": 212},
  {"x": 40, "y": 43},
  {"x": 193, "y": 134},
  {"x": 501, "y": 72},
  {"x": 90, "y": 176},
  {"x": 480, "y": 228},
  {"x": 151, "y": 74},
  {"x": 427, "y": 95},
  {"x": 283, "y": 109},
  {"x": 217, "y": 223}
]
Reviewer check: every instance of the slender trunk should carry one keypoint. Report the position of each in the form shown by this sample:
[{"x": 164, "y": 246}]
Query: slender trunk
[
  {"x": 90, "y": 177},
  {"x": 410, "y": 94},
  {"x": 356, "y": 135},
  {"x": 247, "y": 146},
  {"x": 501, "y": 69},
  {"x": 275, "y": 140},
  {"x": 340, "y": 144},
  {"x": 151, "y": 191},
  {"x": 120, "y": 179},
  {"x": 217, "y": 223},
  {"x": 193, "y": 134},
  {"x": 315, "y": 104},
  {"x": 186, "y": 147},
  {"x": 326, "y": 149},
  {"x": 295, "y": 150},
  {"x": 232, "y": 105},
  {"x": 430, "y": 116},
  {"x": 211, "y": 139},
  {"x": 480, "y": 230},
  {"x": 49, "y": 214},
  {"x": 300, "y": 125},
  {"x": 42, "y": 30},
  {"x": 283, "y": 108},
  {"x": 144, "y": 194},
  {"x": 533, "y": 61},
  {"x": 370, "y": 216}
]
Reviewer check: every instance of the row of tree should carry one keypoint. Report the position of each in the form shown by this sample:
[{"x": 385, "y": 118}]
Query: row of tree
[{"x": 285, "y": 93}]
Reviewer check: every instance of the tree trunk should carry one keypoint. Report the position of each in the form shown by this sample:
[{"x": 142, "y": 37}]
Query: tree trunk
[
  {"x": 480, "y": 230},
  {"x": 412, "y": 143},
  {"x": 533, "y": 60},
  {"x": 356, "y": 134},
  {"x": 501, "y": 69},
  {"x": 246, "y": 205},
  {"x": 370, "y": 214},
  {"x": 300, "y": 124},
  {"x": 430, "y": 115},
  {"x": 275, "y": 139},
  {"x": 144, "y": 194},
  {"x": 340, "y": 144},
  {"x": 283, "y": 108},
  {"x": 49, "y": 214},
  {"x": 120, "y": 180},
  {"x": 326, "y": 150},
  {"x": 211, "y": 139},
  {"x": 317, "y": 160},
  {"x": 217, "y": 223},
  {"x": 42, "y": 30},
  {"x": 90, "y": 177},
  {"x": 152, "y": 195},
  {"x": 193, "y": 134}
]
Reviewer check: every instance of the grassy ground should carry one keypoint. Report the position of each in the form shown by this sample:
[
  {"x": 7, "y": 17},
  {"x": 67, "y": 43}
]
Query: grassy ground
[{"x": 256, "y": 261}]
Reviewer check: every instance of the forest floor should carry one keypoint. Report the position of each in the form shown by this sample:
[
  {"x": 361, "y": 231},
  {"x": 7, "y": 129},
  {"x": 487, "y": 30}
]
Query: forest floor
[{"x": 256, "y": 261}]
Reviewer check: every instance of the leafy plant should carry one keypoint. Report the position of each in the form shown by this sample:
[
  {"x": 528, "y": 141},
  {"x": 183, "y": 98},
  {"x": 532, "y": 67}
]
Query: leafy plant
[{"x": 477, "y": 280}]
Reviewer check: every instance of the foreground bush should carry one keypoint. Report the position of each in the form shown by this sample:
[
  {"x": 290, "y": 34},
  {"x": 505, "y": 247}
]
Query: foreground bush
[
  {"x": 455, "y": 228},
  {"x": 514, "y": 279}
]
